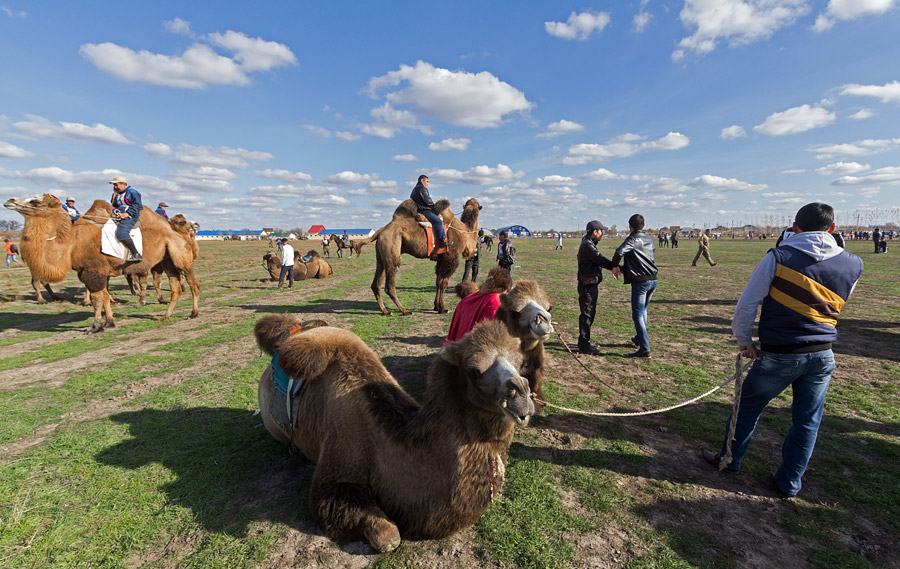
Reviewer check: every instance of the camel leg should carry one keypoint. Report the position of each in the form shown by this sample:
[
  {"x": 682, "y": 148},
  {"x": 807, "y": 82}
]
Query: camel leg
[
  {"x": 132, "y": 285},
  {"x": 142, "y": 289},
  {"x": 348, "y": 510},
  {"x": 87, "y": 298},
  {"x": 443, "y": 270},
  {"x": 107, "y": 307},
  {"x": 195, "y": 291},
  {"x": 36, "y": 284},
  {"x": 175, "y": 287},
  {"x": 377, "y": 282},
  {"x": 157, "y": 284},
  {"x": 96, "y": 286},
  {"x": 390, "y": 287}
]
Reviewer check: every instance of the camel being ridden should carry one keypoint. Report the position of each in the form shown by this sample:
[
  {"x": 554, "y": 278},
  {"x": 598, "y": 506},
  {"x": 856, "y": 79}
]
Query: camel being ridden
[
  {"x": 57, "y": 242},
  {"x": 386, "y": 466},
  {"x": 187, "y": 229},
  {"x": 404, "y": 234}
]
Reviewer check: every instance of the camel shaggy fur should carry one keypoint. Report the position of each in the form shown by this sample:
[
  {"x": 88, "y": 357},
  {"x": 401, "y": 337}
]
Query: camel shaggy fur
[
  {"x": 316, "y": 268},
  {"x": 385, "y": 465},
  {"x": 525, "y": 310},
  {"x": 59, "y": 245},
  {"x": 404, "y": 235}
]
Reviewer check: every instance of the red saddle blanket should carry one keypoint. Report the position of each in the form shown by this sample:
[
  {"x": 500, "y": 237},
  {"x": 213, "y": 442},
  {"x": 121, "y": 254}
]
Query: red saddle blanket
[{"x": 429, "y": 237}]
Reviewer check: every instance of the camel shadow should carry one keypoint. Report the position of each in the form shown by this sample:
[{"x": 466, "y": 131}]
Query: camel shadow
[
  {"x": 319, "y": 305},
  {"x": 227, "y": 469}
]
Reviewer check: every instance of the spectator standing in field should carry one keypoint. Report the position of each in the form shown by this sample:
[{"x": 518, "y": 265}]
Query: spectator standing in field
[
  {"x": 703, "y": 250},
  {"x": 558, "y": 242},
  {"x": 126, "y": 203},
  {"x": 478, "y": 306},
  {"x": 425, "y": 206},
  {"x": 11, "y": 251},
  {"x": 506, "y": 252},
  {"x": 802, "y": 285},
  {"x": 640, "y": 272},
  {"x": 473, "y": 262},
  {"x": 590, "y": 263},
  {"x": 161, "y": 210},
  {"x": 674, "y": 241},
  {"x": 287, "y": 264},
  {"x": 876, "y": 237},
  {"x": 325, "y": 248},
  {"x": 70, "y": 208}
]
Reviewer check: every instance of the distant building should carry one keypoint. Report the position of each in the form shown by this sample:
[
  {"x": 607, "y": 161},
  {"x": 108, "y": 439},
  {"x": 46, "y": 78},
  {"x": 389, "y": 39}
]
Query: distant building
[
  {"x": 351, "y": 233},
  {"x": 316, "y": 229},
  {"x": 515, "y": 231},
  {"x": 220, "y": 234}
]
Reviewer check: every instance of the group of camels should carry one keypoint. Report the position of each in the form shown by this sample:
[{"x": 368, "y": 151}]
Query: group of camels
[{"x": 52, "y": 245}]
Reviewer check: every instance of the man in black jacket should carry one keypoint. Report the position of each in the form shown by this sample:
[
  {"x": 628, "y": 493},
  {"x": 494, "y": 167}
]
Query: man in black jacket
[
  {"x": 640, "y": 271},
  {"x": 590, "y": 263},
  {"x": 425, "y": 205}
]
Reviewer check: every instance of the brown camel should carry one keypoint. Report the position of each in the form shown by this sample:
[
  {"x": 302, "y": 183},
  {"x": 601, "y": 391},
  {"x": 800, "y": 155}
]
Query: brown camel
[
  {"x": 316, "y": 268},
  {"x": 386, "y": 466},
  {"x": 59, "y": 243},
  {"x": 525, "y": 310},
  {"x": 404, "y": 235},
  {"x": 138, "y": 283}
]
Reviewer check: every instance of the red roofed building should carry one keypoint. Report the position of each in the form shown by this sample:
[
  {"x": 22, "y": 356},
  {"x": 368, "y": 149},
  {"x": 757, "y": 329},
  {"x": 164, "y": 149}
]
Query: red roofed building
[{"x": 316, "y": 229}]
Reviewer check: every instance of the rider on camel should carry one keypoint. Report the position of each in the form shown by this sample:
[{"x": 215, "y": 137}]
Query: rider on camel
[{"x": 425, "y": 206}]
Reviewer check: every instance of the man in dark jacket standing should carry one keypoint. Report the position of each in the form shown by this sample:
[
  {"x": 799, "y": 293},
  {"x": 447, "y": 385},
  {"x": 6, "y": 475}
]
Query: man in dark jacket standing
[
  {"x": 425, "y": 206},
  {"x": 590, "y": 263},
  {"x": 640, "y": 272},
  {"x": 876, "y": 237}
]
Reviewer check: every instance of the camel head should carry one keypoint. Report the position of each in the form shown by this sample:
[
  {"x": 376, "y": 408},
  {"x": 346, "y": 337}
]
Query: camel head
[
  {"x": 181, "y": 224},
  {"x": 40, "y": 205},
  {"x": 470, "y": 213},
  {"x": 527, "y": 305},
  {"x": 488, "y": 359}
]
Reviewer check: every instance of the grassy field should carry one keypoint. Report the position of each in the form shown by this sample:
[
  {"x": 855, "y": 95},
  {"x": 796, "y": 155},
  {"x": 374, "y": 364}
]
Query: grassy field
[{"x": 139, "y": 447}]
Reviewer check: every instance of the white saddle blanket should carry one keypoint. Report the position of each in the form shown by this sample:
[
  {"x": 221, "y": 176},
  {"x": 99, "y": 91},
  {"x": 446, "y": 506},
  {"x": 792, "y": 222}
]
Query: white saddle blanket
[{"x": 111, "y": 246}]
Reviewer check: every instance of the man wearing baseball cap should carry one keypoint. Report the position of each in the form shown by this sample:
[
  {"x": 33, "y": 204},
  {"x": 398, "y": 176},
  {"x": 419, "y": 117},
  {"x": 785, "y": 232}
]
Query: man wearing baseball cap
[
  {"x": 126, "y": 203},
  {"x": 161, "y": 210},
  {"x": 69, "y": 206},
  {"x": 590, "y": 263}
]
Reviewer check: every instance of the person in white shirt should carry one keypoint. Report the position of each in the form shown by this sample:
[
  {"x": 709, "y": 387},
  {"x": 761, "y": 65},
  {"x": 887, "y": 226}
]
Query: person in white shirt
[{"x": 287, "y": 264}]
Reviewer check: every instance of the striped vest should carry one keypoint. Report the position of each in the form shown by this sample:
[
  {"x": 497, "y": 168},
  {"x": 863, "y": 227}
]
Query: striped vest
[{"x": 805, "y": 298}]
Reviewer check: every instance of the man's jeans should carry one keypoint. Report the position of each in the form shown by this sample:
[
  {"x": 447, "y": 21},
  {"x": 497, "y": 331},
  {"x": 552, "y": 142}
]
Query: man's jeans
[
  {"x": 286, "y": 270},
  {"x": 808, "y": 375},
  {"x": 641, "y": 293},
  {"x": 437, "y": 226}
]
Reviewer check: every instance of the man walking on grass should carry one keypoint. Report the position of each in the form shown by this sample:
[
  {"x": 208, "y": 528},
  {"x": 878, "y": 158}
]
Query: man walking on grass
[
  {"x": 704, "y": 250},
  {"x": 640, "y": 272},
  {"x": 802, "y": 284}
]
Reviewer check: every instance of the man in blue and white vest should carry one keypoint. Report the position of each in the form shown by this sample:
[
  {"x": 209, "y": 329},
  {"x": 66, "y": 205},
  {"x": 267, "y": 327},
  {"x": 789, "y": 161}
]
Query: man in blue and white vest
[
  {"x": 126, "y": 201},
  {"x": 802, "y": 284}
]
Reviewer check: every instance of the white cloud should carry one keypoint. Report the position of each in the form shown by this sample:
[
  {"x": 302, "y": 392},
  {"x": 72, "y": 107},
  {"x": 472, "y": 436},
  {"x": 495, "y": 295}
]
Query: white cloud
[
  {"x": 178, "y": 27},
  {"x": 222, "y": 157},
  {"x": 450, "y": 144},
  {"x": 348, "y": 136},
  {"x": 733, "y": 131},
  {"x": 841, "y": 168},
  {"x": 284, "y": 175},
  {"x": 158, "y": 149},
  {"x": 739, "y": 22},
  {"x": 623, "y": 147},
  {"x": 205, "y": 179},
  {"x": 479, "y": 175},
  {"x": 578, "y": 26},
  {"x": 8, "y": 150},
  {"x": 54, "y": 176},
  {"x": 641, "y": 20},
  {"x": 858, "y": 148},
  {"x": 890, "y": 175},
  {"x": 318, "y": 131},
  {"x": 13, "y": 13},
  {"x": 794, "y": 171},
  {"x": 282, "y": 191},
  {"x": 797, "y": 119},
  {"x": 371, "y": 181},
  {"x": 476, "y": 100},
  {"x": 405, "y": 158},
  {"x": 388, "y": 203},
  {"x": 555, "y": 180},
  {"x": 887, "y": 93},
  {"x": 43, "y": 128},
  {"x": 560, "y": 128},
  {"x": 862, "y": 114},
  {"x": 725, "y": 184},
  {"x": 850, "y": 10},
  {"x": 196, "y": 68},
  {"x": 390, "y": 121}
]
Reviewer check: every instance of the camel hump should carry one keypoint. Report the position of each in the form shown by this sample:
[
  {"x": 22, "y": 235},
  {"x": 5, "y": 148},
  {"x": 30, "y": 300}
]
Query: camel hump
[
  {"x": 312, "y": 253},
  {"x": 406, "y": 209},
  {"x": 465, "y": 288},
  {"x": 308, "y": 355},
  {"x": 271, "y": 330},
  {"x": 99, "y": 208}
]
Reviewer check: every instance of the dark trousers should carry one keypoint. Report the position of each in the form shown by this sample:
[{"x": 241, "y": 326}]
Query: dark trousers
[
  {"x": 587, "y": 302},
  {"x": 436, "y": 224},
  {"x": 289, "y": 271},
  {"x": 471, "y": 265},
  {"x": 123, "y": 230},
  {"x": 506, "y": 267}
]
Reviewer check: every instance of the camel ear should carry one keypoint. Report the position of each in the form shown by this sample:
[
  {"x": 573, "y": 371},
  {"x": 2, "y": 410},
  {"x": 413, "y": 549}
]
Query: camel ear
[{"x": 449, "y": 354}]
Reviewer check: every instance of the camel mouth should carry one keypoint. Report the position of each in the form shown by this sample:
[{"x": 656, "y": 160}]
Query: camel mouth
[
  {"x": 541, "y": 330},
  {"x": 10, "y": 204},
  {"x": 520, "y": 420}
]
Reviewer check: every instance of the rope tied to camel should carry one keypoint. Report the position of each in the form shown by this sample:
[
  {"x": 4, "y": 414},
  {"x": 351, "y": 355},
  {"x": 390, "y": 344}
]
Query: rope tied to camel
[
  {"x": 739, "y": 372},
  {"x": 732, "y": 424}
]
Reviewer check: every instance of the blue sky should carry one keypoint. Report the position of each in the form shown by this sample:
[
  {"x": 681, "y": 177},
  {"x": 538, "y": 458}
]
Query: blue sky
[{"x": 290, "y": 114}]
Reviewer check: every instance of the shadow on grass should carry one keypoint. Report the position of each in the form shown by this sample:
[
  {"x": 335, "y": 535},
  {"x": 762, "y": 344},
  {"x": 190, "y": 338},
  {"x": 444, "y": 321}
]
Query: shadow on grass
[
  {"x": 326, "y": 305},
  {"x": 227, "y": 469}
]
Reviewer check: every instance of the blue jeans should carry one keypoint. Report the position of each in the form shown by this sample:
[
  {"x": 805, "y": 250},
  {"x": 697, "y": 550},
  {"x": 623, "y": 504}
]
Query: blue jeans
[
  {"x": 12, "y": 256},
  {"x": 808, "y": 375},
  {"x": 641, "y": 293},
  {"x": 288, "y": 271},
  {"x": 436, "y": 224}
]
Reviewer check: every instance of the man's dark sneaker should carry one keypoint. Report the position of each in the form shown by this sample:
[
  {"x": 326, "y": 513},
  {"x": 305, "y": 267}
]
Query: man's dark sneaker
[
  {"x": 781, "y": 493},
  {"x": 638, "y": 354},
  {"x": 634, "y": 340},
  {"x": 590, "y": 350},
  {"x": 135, "y": 258},
  {"x": 713, "y": 458}
]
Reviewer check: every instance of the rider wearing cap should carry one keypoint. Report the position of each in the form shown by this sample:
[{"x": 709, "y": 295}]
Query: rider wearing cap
[
  {"x": 69, "y": 206},
  {"x": 126, "y": 203},
  {"x": 161, "y": 210}
]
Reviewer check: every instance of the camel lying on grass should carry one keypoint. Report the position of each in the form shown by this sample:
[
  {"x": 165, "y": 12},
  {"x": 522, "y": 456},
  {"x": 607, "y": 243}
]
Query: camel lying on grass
[
  {"x": 316, "y": 268},
  {"x": 386, "y": 466}
]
